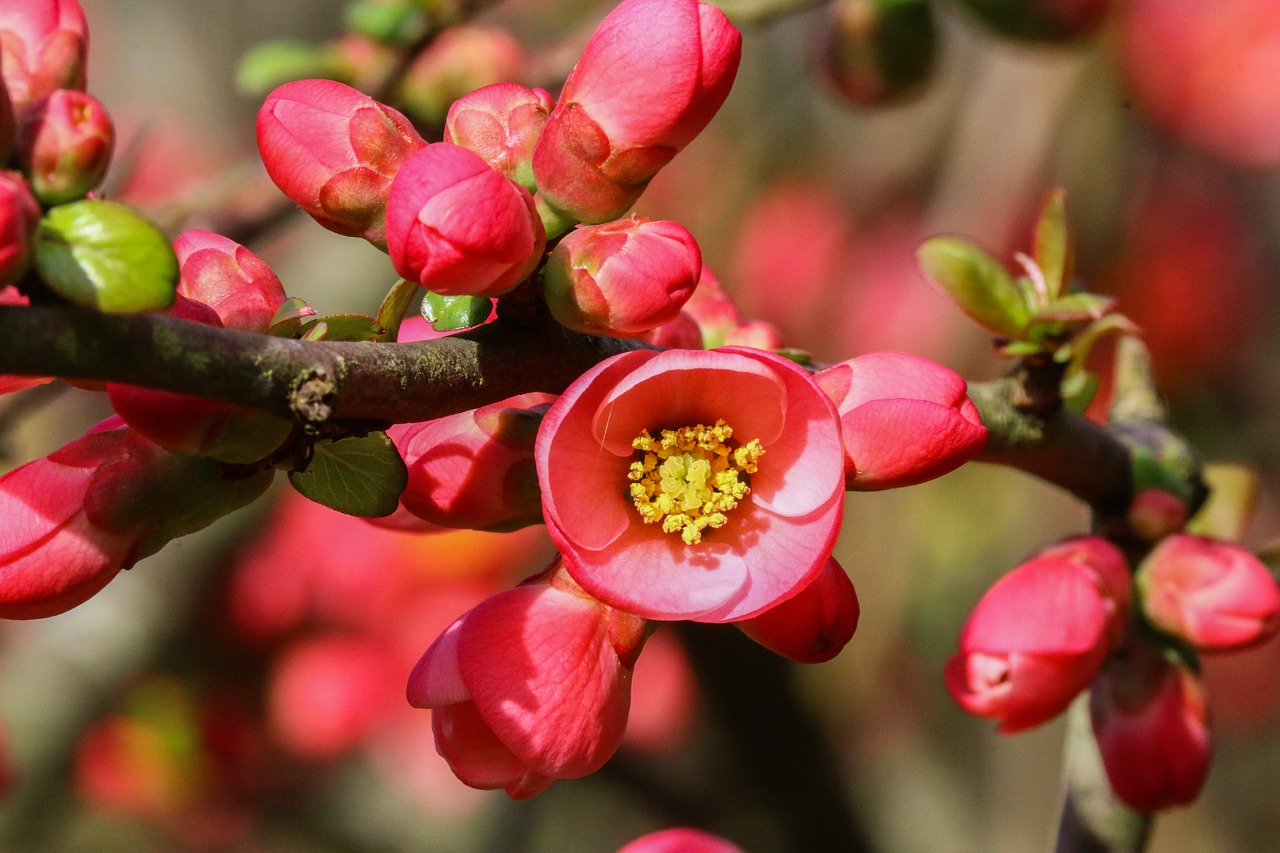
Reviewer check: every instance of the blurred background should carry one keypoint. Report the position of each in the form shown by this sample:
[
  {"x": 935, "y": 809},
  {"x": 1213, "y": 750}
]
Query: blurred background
[{"x": 243, "y": 689}]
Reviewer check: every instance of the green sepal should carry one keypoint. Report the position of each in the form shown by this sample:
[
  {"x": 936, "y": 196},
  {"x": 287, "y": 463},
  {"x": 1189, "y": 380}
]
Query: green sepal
[
  {"x": 103, "y": 255},
  {"x": 1078, "y": 390},
  {"x": 287, "y": 321},
  {"x": 361, "y": 476},
  {"x": 1053, "y": 252},
  {"x": 451, "y": 313},
  {"x": 394, "y": 307},
  {"x": 978, "y": 283},
  {"x": 342, "y": 327},
  {"x": 1231, "y": 505},
  {"x": 804, "y": 358}
]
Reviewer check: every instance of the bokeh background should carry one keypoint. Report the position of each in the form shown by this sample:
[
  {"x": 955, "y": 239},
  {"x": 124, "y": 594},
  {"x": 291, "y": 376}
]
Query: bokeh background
[{"x": 243, "y": 689}]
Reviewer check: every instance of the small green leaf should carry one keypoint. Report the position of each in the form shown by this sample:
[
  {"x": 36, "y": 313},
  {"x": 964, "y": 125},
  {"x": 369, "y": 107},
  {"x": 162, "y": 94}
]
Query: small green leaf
[
  {"x": 394, "y": 306},
  {"x": 359, "y": 476},
  {"x": 288, "y": 317},
  {"x": 799, "y": 356},
  {"x": 1053, "y": 252},
  {"x": 273, "y": 63},
  {"x": 342, "y": 327},
  {"x": 103, "y": 255},
  {"x": 1078, "y": 390},
  {"x": 977, "y": 282},
  {"x": 451, "y": 313},
  {"x": 395, "y": 23},
  {"x": 1075, "y": 308}
]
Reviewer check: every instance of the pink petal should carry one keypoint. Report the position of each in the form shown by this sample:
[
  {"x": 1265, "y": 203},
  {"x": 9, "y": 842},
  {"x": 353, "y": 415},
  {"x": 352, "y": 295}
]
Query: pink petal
[
  {"x": 475, "y": 755},
  {"x": 436, "y": 680}
]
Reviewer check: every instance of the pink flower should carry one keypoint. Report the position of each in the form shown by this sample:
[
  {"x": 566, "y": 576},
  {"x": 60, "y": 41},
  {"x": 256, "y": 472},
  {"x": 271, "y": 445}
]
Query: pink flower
[
  {"x": 1207, "y": 72},
  {"x": 221, "y": 284},
  {"x": 691, "y": 484},
  {"x": 622, "y": 278},
  {"x": 1038, "y": 636},
  {"x": 457, "y": 226},
  {"x": 813, "y": 625},
  {"x": 42, "y": 48},
  {"x": 19, "y": 215},
  {"x": 334, "y": 151},
  {"x": 904, "y": 419},
  {"x": 1151, "y": 724},
  {"x": 530, "y": 686},
  {"x": 1211, "y": 594},
  {"x": 501, "y": 123},
  {"x": 475, "y": 469},
  {"x": 650, "y": 79},
  {"x": 65, "y": 146},
  {"x": 75, "y": 518},
  {"x": 680, "y": 841},
  {"x": 238, "y": 285}
]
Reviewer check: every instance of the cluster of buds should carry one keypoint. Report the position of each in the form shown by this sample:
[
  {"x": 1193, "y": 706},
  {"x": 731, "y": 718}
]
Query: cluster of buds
[{"x": 1075, "y": 617}]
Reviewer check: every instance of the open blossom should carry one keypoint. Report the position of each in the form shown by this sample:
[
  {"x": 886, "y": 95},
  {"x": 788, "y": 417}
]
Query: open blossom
[
  {"x": 475, "y": 469},
  {"x": 680, "y": 840},
  {"x": 622, "y": 278},
  {"x": 1151, "y": 723},
  {"x": 76, "y": 517},
  {"x": 1040, "y": 634},
  {"x": 685, "y": 484},
  {"x": 1211, "y": 594},
  {"x": 458, "y": 226},
  {"x": 530, "y": 686},
  {"x": 904, "y": 419},
  {"x": 814, "y": 624},
  {"x": 649, "y": 80},
  {"x": 334, "y": 150},
  {"x": 42, "y": 48}
]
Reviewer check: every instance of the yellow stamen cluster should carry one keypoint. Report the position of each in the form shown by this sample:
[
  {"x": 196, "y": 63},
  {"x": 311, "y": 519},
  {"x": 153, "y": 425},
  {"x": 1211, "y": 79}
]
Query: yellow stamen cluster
[{"x": 689, "y": 478}]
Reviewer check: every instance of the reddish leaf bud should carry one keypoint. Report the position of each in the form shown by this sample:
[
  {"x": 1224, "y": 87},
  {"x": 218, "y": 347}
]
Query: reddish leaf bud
[
  {"x": 458, "y": 227},
  {"x": 42, "y": 48},
  {"x": 334, "y": 151},
  {"x": 903, "y": 418},
  {"x": 649, "y": 80},
  {"x": 475, "y": 469},
  {"x": 65, "y": 146},
  {"x": 1213, "y": 595},
  {"x": 501, "y": 123},
  {"x": 19, "y": 216},
  {"x": 813, "y": 625},
  {"x": 1034, "y": 641},
  {"x": 461, "y": 59},
  {"x": 1151, "y": 724},
  {"x": 622, "y": 278}
]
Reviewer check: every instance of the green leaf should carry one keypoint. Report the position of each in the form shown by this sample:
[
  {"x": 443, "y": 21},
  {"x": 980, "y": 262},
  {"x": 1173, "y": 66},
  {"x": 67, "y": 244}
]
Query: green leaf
[
  {"x": 394, "y": 306},
  {"x": 342, "y": 327},
  {"x": 394, "y": 23},
  {"x": 1075, "y": 308},
  {"x": 270, "y": 64},
  {"x": 359, "y": 476},
  {"x": 977, "y": 282},
  {"x": 451, "y": 313},
  {"x": 103, "y": 255},
  {"x": 1053, "y": 253},
  {"x": 288, "y": 317}
]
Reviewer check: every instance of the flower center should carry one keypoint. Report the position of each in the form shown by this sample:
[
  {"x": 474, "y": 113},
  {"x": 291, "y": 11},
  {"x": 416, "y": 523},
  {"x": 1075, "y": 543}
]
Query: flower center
[{"x": 690, "y": 478}]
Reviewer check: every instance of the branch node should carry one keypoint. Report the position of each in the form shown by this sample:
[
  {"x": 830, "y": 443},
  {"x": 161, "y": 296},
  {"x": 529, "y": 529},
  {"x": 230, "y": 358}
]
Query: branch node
[{"x": 311, "y": 400}]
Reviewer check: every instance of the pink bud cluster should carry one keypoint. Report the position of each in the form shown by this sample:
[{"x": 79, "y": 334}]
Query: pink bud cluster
[{"x": 1075, "y": 617}]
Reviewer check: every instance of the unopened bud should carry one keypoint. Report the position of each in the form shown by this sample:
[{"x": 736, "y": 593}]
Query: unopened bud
[
  {"x": 19, "y": 215},
  {"x": 501, "y": 123},
  {"x": 65, "y": 146}
]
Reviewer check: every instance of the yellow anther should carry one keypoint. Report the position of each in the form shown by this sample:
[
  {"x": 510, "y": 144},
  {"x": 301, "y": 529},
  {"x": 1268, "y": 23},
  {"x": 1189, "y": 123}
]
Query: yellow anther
[{"x": 688, "y": 479}]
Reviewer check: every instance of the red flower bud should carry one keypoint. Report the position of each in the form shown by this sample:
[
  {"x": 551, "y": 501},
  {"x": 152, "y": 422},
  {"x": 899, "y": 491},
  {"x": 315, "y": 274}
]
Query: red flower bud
[
  {"x": 334, "y": 151},
  {"x": 649, "y": 80},
  {"x": 622, "y": 278},
  {"x": 475, "y": 469},
  {"x": 903, "y": 418},
  {"x": 19, "y": 215},
  {"x": 77, "y": 517},
  {"x": 680, "y": 841},
  {"x": 458, "y": 227},
  {"x": 813, "y": 625},
  {"x": 501, "y": 123},
  {"x": 1151, "y": 724},
  {"x": 42, "y": 48},
  {"x": 65, "y": 146},
  {"x": 220, "y": 273},
  {"x": 1211, "y": 594},
  {"x": 1155, "y": 514},
  {"x": 1038, "y": 637}
]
